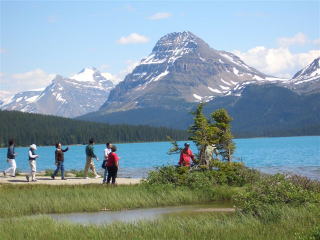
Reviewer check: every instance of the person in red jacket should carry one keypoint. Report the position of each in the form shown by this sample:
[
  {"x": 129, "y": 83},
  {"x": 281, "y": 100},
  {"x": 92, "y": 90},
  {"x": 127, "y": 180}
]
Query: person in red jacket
[
  {"x": 185, "y": 156},
  {"x": 112, "y": 165}
]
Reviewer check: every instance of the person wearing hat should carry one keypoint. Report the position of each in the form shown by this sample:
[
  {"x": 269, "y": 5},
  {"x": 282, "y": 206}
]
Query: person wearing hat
[
  {"x": 185, "y": 156},
  {"x": 32, "y": 162}
]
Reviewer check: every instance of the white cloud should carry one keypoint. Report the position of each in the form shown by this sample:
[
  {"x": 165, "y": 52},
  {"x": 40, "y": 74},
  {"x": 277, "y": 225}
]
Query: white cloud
[
  {"x": 133, "y": 38},
  {"x": 116, "y": 78},
  {"x": 298, "y": 39},
  {"x": 316, "y": 41},
  {"x": 160, "y": 15},
  {"x": 280, "y": 62},
  {"x": 4, "y": 95},
  {"x": 31, "y": 80}
]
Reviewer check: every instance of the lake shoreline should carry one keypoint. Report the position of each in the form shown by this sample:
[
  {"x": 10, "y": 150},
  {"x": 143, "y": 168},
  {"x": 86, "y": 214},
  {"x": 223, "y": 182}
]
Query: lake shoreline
[{"x": 70, "y": 180}]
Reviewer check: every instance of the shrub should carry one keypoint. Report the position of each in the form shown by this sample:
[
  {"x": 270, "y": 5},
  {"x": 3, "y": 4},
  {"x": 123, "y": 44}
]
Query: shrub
[
  {"x": 234, "y": 173},
  {"x": 222, "y": 173},
  {"x": 305, "y": 183},
  {"x": 270, "y": 190}
]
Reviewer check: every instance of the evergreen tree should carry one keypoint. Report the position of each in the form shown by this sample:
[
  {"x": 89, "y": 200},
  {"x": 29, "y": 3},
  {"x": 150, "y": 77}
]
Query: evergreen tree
[
  {"x": 225, "y": 143},
  {"x": 203, "y": 134},
  {"x": 212, "y": 133},
  {"x": 28, "y": 128}
]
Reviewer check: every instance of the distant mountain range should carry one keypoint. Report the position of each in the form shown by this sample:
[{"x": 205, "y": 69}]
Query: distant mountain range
[
  {"x": 181, "y": 71},
  {"x": 69, "y": 97}
]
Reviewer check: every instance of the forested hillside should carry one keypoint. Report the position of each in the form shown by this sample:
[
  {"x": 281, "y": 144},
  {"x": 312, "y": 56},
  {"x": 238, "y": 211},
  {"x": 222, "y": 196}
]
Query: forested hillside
[
  {"x": 27, "y": 128},
  {"x": 261, "y": 111}
]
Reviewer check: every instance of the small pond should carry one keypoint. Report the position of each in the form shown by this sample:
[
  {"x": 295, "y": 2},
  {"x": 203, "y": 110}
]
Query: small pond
[{"x": 134, "y": 215}]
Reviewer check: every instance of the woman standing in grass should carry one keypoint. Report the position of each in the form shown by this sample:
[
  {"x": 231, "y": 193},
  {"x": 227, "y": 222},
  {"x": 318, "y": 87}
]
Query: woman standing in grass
[
  {"x": 59, "y": 159},
  {"x": 32, "y": 162},
  {"x": 11, "y": 159},
  {"x": 112, "y": 165}
]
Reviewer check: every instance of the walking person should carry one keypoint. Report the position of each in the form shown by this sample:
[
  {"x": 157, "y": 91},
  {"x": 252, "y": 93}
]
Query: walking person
[
  {"x": 107, "y": 151},
  {"x": 11, "y": 159},
  {"x": 89, "y": 160},
  {"x": 32, "y": 162},
  {"x": 112, "y": 165},
  {"x": 185, "y": 156},
  {"x": 59, "y": 161}
]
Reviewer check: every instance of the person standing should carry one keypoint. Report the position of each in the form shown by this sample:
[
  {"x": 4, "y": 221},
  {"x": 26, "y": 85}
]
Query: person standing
[
  {"x": 112, "y": 165},
  {"x": 59, "y": 159},
  {"x": 11, "y": 159},
  {"x": 107, "y": 151},
  {"x": 185, "y": 156},
  {"x": 89, "y": 160},
  {"x": 32, "y": 162}
]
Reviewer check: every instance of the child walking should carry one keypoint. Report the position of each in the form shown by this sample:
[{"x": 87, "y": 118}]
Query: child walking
[{"x": 112, "y": 165}]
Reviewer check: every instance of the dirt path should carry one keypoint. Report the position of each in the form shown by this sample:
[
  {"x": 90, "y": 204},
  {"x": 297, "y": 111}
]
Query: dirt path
[{"x": 69, "y": 181}]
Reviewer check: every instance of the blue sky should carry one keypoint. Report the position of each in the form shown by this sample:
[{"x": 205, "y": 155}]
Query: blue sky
[{"x": 39, "y": 39}]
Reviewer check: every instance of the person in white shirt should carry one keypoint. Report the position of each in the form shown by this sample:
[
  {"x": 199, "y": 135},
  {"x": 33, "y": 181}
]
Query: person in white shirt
[
  {"x": 107, "y": 150},
  {"x": 32, "y": 162}
]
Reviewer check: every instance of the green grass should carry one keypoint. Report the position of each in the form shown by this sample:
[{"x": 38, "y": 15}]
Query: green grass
[
  {"x": 19, "y": 200},
  {"x": 291, "y": 223}
]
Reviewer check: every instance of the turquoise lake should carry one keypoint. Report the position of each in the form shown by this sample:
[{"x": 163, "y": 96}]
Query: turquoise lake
[{"x": 299, "y": 155}]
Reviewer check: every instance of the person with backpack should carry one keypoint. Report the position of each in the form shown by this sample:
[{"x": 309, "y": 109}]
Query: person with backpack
[
  {"x": 11, "y": 159},
  {"x": 112, "y": 165},
  {"x": 59, "y": 159},
  {"x": 185, "y": 156},
  {"x": 107, "y": 151},
  {"x": 89, "y": 160},
  {"x": 32, "y": 162}
]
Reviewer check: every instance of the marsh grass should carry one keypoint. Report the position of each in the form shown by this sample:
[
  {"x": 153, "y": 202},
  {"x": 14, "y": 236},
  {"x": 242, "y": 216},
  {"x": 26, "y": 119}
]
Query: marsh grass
[
  {"x": 292, "y": 223},
  {"x": 19, "y": 200}
]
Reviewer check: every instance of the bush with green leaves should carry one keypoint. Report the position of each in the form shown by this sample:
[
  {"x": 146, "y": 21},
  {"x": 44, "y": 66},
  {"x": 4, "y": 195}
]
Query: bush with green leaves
[
  {"x": 221, "y": 173},
  {"x": 305, "y": 183},
  {"x": 272, "y": 190}
]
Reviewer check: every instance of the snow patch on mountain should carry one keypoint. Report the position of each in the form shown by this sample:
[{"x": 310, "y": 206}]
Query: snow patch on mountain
[
  {"x": 161, "y": 75},
  {"x": 197, "y": 97},
  {"x": 32, "y": 99},
  {"x": 214, "y": 90}
]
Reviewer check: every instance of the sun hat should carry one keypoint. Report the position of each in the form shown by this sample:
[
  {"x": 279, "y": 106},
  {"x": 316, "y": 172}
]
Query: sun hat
[{"x": 33, "y": 146}]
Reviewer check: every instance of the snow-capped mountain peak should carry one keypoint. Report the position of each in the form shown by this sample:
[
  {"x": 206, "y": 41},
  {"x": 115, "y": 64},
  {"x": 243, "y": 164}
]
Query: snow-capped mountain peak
[
  {"x": 307, "y": 80},
  {"x": 310, "y": 71},
  {"x": 171, "y": 47},
  {"x": 69, "y": 97},
  {"x": 89, "y": 74},
  {"x": 182, "y": 65}
]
